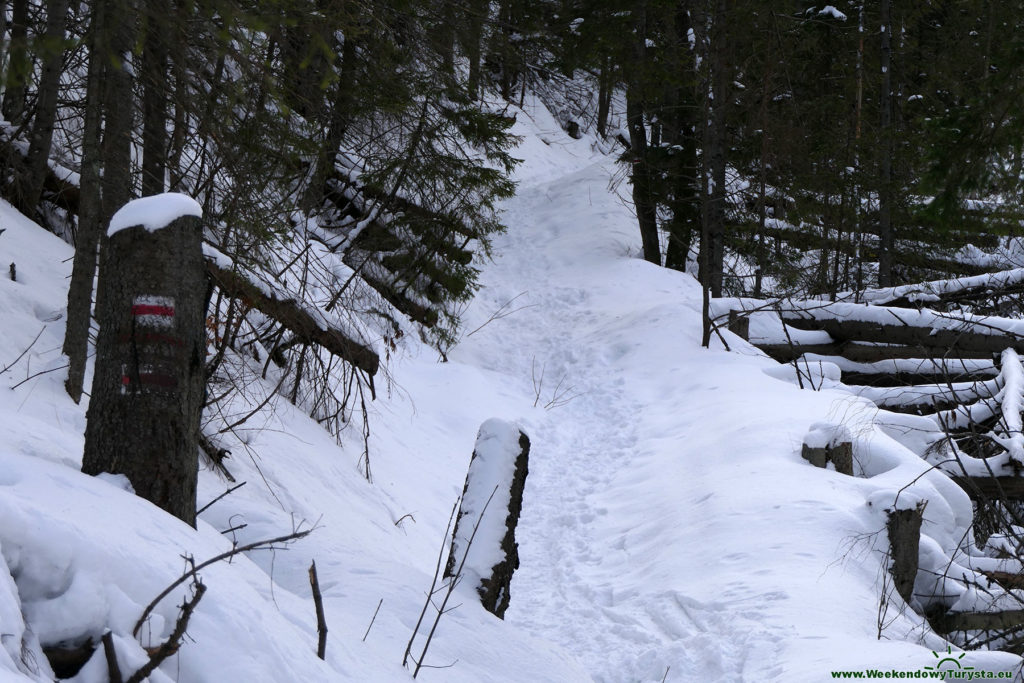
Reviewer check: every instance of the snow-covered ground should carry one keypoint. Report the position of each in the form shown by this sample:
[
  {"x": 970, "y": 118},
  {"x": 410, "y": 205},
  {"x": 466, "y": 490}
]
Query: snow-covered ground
[{"x": 670, "y": 528}]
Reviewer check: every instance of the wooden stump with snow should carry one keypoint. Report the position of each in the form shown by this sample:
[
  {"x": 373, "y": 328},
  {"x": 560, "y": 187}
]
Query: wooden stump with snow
[
  {"x": 148, "y": 387},
  {"x": 484, "y": 552},
  {"x": 829, "y": 443},
  {"x": 904, "y": 528}
]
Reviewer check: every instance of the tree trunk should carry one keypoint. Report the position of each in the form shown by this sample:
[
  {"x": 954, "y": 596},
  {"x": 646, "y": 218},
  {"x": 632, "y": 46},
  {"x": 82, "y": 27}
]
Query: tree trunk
[
  {"x": 604, "y": 95},
  {"x": 3, "y": 31},
  {"x": 148, "y": 389},
  {"x": 341, "y": 111},
  {"x": 19, "y": 66},
  {"x": 46, "y": 106},
  {"x": 715, "y": 153},
  {"x": 87, "y": 238},
  {"x": 643, "y": 195},
  {"x": 154, "y": 98},
  {"x": 685, "y": 203},
  {"x": 118, "y": 104},
  {"x": 471, "y": 43},
  {"x": 885, "y": 190},
  {"x": 445, "y": 35}
]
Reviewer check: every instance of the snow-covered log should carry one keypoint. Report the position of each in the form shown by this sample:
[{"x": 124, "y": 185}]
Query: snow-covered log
[
  {"x": 1009, "y": 434},
  {"x": 942, "y": 293},
  {"x": 860, "y": 352},
  {"x": 908, "y": 371},
  {"x": 977, "y": 621},
  {"x": 298, "y": 321},
  {"x": 936, "y": 396},
  {"x": 935, "y": 334},
  {"x": 983, "y": 488},
  {"x": 484, "y": 552},
  {"x": 904, "y": 254}
]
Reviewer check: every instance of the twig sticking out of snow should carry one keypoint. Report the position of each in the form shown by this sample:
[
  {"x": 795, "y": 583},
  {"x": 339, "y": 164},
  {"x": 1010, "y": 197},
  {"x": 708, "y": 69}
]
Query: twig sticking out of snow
[
  {"x": 321, "y": 620},
  {"x": 258, "y": 545},
  {"x": 171, "y": 645}
]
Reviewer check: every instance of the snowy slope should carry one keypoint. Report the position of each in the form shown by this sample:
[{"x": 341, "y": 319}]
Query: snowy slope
[{"x": 669, "y": 523}]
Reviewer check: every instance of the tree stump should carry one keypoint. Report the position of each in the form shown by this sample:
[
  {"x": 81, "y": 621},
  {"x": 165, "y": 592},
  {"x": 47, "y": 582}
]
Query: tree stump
[
  {"x": 829, "y": 443},
  {"x": 148, "y": 387},
  {"x": 904, "y": 527},
  {"x": 739, "y": 324},
  {"x": 484, "y": 552}
]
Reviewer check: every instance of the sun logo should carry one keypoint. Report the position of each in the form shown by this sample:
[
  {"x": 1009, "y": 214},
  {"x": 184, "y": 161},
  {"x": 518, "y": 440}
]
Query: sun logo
[{"x": 953, "y": 661}]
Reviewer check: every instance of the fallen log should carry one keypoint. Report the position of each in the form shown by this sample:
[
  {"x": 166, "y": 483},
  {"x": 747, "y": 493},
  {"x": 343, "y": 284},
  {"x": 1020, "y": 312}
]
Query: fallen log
[
  {"x": 934, "y": 335},
  {"x": 417, "y": 312},
  {"x": 1010, "y": 580},
  {"x": 991, "y": 488},
  {"x": 943, "y": 293},
  {"x": 977, "y": 621},
  {"x": 893, "y": 372},
  {"x": 931, "y": 397},
  {"x": 295, "y": 319},
  {"x": 861, "y": 352},
  {"x": 901, "y": 255},
  {"x": 888, "y": 380}
]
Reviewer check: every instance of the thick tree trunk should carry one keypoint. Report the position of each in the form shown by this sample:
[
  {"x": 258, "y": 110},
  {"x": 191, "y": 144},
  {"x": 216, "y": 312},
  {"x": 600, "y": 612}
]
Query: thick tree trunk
[
  {"x": 148, "y": 390},
  {"x": 41, "y": 137}
]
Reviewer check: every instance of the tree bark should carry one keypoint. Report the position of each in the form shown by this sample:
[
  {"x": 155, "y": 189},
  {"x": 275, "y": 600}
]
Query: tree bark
[
  {"x": 19, "y": 66},
  {"x": 118, "y": 104},
  {"x": 87, "y": 238},
  {"x": 148, "y": 389},
  {"x": 341, "y": 112},
  {"x": 155, "y": 97},
  {"x": 904, "y": 527},
  {"x": 41, "y": 137},
  {"x": 715, "y": 151},
  {"x": 685, "y": 204},
  {"x": 643, "y": 196},
  {"x": 472, "y": 40},
  {"x": 604, "y": 95},
  {"x": 885, "y": 190}
]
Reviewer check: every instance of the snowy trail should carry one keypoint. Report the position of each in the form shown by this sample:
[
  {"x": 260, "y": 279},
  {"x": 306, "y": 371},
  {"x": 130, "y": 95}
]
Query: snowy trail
[
  {"x": 669, "y": 523},
  {"x": 580, "y": 584}
]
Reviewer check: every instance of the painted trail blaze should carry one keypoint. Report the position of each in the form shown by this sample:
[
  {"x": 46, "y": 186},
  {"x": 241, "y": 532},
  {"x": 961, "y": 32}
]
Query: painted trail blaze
[{"x": 153, "y": 311}]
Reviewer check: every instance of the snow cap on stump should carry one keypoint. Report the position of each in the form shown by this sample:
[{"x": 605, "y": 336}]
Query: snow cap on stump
[
  {"x": 155, "y": 212},
  {"x": 484, "y": 551}
]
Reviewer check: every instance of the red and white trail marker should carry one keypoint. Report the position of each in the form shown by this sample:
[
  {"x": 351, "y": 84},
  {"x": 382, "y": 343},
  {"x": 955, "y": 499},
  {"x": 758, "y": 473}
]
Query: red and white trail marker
[{"x": 153, "y": 311}]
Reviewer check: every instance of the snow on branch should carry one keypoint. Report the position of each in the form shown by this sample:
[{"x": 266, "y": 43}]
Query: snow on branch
[
  {"x": 1012, "y": 403},
  {"x": 292, "y": 316}
]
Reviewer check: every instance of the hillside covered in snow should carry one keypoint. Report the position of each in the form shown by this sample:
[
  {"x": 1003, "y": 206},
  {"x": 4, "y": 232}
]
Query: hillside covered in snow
[{"x": 670, "y": 530}]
